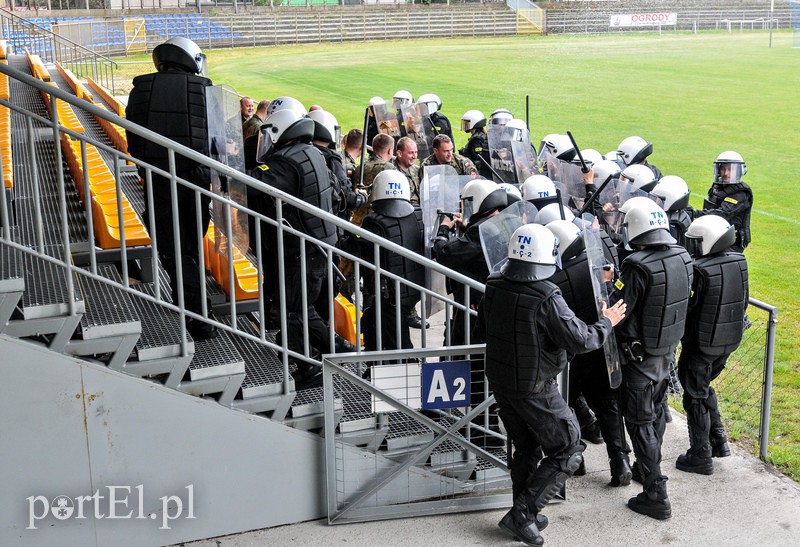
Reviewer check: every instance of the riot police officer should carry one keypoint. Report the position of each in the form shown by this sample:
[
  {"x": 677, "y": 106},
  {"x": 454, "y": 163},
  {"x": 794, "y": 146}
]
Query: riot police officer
[
  {"x": 713, "y": 331},
  {"x": 525, "y": 351},
  {"x": 655, "y": 281},
  {"x": 291, "y": 164},
  {"x": 635, "y": 151},
  {"x": 393, "y": 217},
  {"x": 674, "y": 192},
  {"x": 440, "y": 122},
  {"x": 730, "y": 197},
  {"x": 477, "y": 148},
  {"x": 172, "y": 102}
]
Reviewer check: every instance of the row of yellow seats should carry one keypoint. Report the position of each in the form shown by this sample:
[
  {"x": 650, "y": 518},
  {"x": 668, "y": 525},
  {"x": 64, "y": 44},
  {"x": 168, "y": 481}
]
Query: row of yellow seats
[
  {"x": 114, "y": 132},
  {"x": 5, "y": 147},
  {"x": 245, "y": 275},
  {"x": 37, "y": 67},
  {"x": 5, "y": 91},
  {"x": 103, "y": 194}
]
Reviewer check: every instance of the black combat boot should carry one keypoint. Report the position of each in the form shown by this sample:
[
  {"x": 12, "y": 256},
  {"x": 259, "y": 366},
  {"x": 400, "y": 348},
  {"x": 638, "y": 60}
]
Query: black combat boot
[
  {"x": 696, "y": 461},
  {"x": 636, "y": 473},
  {"x": 719, "y": 442},
  {"x": 523, "y": 529},
  {"x": 653, "y": 502},
  {"x": 621, "y": 472}
]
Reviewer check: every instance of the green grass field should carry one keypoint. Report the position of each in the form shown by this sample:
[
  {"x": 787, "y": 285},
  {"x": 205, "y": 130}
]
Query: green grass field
[{"x": 693, "y": 96}]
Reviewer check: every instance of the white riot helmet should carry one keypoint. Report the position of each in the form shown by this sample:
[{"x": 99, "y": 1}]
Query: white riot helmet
[
  {"x": 376, "y": 101},
  {"x": 182, "y": 53},
  {"x": 604, "y": 169},
  {"x": 551, "y": 212},
  {"x": 480, "y": 196},
  {"x": 512, "y": 192},
  {"x": 286, "y": 103},
  {"x": 708, "y": 235},
  {"x": 471, "y": 120},
  {"x": 612, "y": 155},
  {"x": 391, "y": 194},
  {"x": 591, "y": 156},
  {"x": 516, "y": 130},
  {"x": 538, "y": 187},
  {"x": 501, "y": 116},
  {"x": 432, "y": 101},
  {"x": 640, "y": 176},
  {"x": 284, "y": 126},
  {"x": 559, "y": 146},
  {"x": 729, "y": 168},
  {"x": 402, "y": 98},
  {"x": 532, "y": 254},
  {"x": 569, "y": 238},
  {"x": 674, "y": 191},
  {"x": 326, "y": 128},
  {"x": 637, "y": 201},
  {"x": 634, "y": 150},
  {"x": 645, "y": 223}
]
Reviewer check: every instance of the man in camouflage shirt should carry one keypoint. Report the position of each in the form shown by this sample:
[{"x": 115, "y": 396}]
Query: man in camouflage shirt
[
  {"x": 379, "y": 160},
  {"x": 405, "y": 156},
  {"x": 443, "y": 155}
]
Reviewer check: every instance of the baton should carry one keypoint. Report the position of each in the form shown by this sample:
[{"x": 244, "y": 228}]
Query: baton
[
  {"x": 363, "y": 150},
  {"x": 584, "y": 169},
  {"x": 527, "y": 112},
  {"x": 591, "y": 199}
]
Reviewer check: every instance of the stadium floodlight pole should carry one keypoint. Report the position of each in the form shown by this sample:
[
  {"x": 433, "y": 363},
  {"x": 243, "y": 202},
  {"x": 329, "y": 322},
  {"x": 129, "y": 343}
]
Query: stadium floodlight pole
[
  {"x": 771, "y": 11},
  {"x": 528, "y": 112},
  {"x": 584, "y": 168},
  {"x": 363, "y": 149}
]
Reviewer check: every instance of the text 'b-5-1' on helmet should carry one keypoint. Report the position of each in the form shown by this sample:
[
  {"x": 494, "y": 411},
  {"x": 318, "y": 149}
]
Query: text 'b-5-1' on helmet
[
  {"x": 501, "y": 116},
  {"x": 326, "y": 128},
  {"x": 640, "y": 176},
  {"x": 645, "y": 223},
  {"x": 391, "y": 194},
  {"x": 674, "y": 191},
  {"x": 432, "y": 101},
  {"x": 569, "y": 238},
  {"x": 532, "y": 254},
  {"x": 181, "y": 53},
  {"x": 285, "y": 103},
  {"x": 708, "y": 235},
  {"x": 634, "y": 150},
  {"x": 471, "y": 120},
  {"x": 480, "y": 196},
  {"x": 729, "y": 168}
]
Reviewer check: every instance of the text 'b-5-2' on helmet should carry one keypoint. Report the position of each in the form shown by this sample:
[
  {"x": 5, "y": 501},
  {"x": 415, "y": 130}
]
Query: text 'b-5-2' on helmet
[
  {"x": 532, "y": 254},
  {"x": 645, "y": 223},
  {"x": 285, "y": 103},
  {"x": 634, "y": 150},
  {"x": 326, "y": 128},
  {"x": 708, "y": 235},
  {"x": 471, "y": 120},
  {"x": 284, "y": 126},
  {"x": 729, "y": 168},
  {"x": 402, "y": 98},
  {"x": 674, "y": 191},
  {"x": 538, "y": 187},
  {"x": 391, "y": 194},
  {"x": 501, "y": 116},
  {"x": 569, "y": 238},
  {"x": 182, "y": 53},
  {"x": 640, "y": 176},
  {"x": 481, "y": 196},
  {"x": 432, "y": 101}
]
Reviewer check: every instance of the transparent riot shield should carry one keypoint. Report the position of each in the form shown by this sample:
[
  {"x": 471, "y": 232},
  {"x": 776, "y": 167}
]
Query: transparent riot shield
[
  {"x": 226, "y": 146},
  {"x": 419, "y": 128},
  {"x": 616, "y": 193},
  {"x": 573, "y": 189},
  {"x": 501, "y": 155},
  {"x": 497, "y": 231},
  {"x": 525, "y": 163},
  {"x": 599, "y": 269},
  {"x": 387, "y": 121},
  {"x": 440, "y": 194}
]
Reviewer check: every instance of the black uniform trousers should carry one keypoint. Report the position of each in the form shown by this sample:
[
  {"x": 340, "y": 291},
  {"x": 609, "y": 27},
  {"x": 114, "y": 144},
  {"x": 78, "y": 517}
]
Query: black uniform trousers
[
  {"x": 389, "y": 323},
  {"x": 696, "y": 371},
  {"x": 188, "y": 227},
  {"x": 538, "y": 422},
  {"x": 644, "y": 395}
]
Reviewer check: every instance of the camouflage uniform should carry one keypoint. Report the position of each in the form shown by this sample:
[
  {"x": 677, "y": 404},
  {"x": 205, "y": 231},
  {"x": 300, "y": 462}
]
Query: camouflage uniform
[
  {"x": 374, "y": 165},
  {"x": 413, "y": 180},
  {"x": 251, "y": 127},
  {"x": 349, "y": 166},
  {"x": 462, "y": 165}
]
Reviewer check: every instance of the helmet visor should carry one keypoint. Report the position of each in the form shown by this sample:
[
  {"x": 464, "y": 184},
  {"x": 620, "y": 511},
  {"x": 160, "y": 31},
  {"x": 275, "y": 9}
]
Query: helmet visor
[
  {"x": 728, "y": 173},
  {"x": 694, "y": 245}
]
